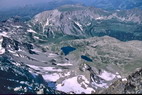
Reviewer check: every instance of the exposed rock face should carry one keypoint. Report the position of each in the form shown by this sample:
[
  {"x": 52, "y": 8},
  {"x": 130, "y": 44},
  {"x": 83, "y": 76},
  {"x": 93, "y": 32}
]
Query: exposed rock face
[
  {"x": 131, "y": 86},
  {"x": 87, "y": 22},
  {"x": 16, "y": 78}
]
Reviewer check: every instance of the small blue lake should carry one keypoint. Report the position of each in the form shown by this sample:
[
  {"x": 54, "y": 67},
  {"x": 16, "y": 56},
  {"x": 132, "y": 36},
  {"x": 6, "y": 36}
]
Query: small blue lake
[
  {"x": 66, "y": 50},
  {"x": 86, "y": 58}
]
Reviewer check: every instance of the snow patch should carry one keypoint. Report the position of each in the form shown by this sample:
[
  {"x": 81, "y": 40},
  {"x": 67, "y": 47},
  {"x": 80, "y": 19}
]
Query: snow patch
[
  {"x": 67, "y": 74},
  {"x": 36, "y": 37},
  {"x": 65, "y": 64},
  {"x": 99, "y": 18},
  {"x": 2, "y": 50},
  {"x": 22, "y": 56},
  {"x": 88, "y": 24},
  {"x": 118, "y": 75},
  {"x": 53, "y": 34},
  {"x": 107, "y": 76},
  {"x": 44, "y": 68},
  {"x": 124, "y": 79},
  {"x": 29, "y": 25},
  {"x": 3, "y": 34},
  {"x": 36, "y": 50},
  {"x": 47, "y": 23},
  {"x": 51, "y": 77},
  {"x": 12, "y": 51},
  {"x": 69, "y": 18},
  {"x": 17, "y": 88},
  {"x": 17, "y": 64},
  {"x": 17, "y": 26},
  {"x": 76, "y": 84},
  {"x": 52, "y": 55},
  {"x": 31, "y": 30},
  {"x": 16, "y": 54},
  {"x": 80, "y": 26}
]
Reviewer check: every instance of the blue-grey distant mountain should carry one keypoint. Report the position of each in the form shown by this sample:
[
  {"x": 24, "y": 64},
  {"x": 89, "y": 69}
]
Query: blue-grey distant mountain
[
  {"x": 28, "y": 10},
  {"x": 114, "y": 4}
]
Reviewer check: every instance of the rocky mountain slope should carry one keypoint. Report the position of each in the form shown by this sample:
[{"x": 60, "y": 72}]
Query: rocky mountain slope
[
  {"x": 16, "y": 77},
  {"x": 131, "y": 86},
  {"x": 83, "y": 22}
]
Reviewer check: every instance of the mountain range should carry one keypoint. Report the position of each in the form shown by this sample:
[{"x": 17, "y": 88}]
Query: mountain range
[
  {"x": 73, "y": 49},
  {"x": 83, "y": 22},
  {"x": 28, "y": 8}
]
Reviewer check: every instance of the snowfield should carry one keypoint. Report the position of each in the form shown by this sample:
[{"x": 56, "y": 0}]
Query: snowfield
[
  {"x": 78, "y": 85},
  {"x": 51, "y": 77},
  {"x": 44, "y": 68},
  {"x": 30, "y": 30}
]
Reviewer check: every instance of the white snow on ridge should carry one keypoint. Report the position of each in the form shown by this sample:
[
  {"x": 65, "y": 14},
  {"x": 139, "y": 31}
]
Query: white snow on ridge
[
  {"x": 74, "y": 85},
  {"x": 17, "y": 88},
  {"x": 36, "y": 37},
  {"x": 17, "y": 26},
  {"x": 107, "y": 76},
  {"x": 16, "y": 54},
  {"x": 48, "y": 77},
  {"x": 65, "y": 64},
  {"x": 124, "y": 79},
  {"x": 2, "y": 50},
  {"x": 52, "y": 55},
  {"x": 69, "y": 18},
  {"x": 4, "y": 34},
  {"x": 12, "y": 51},
  {"x": 67, "y": 74},
  {"x": 88, "y": 24},
  {"x": 36, "y": 50},
  {"x": 47, "y": 23},
  {"x": 99, "y": 18},
  {"x": 118, "y": 75},
  {"x": 30, "y": 30},
  {"x": 80, "y": 26},
  {"x": 44, "y": 68}
]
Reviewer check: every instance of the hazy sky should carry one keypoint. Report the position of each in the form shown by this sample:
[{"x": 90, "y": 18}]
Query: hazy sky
[
  {"x": 17, "y": 3},
  {"x": 7, "y": 4}
]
